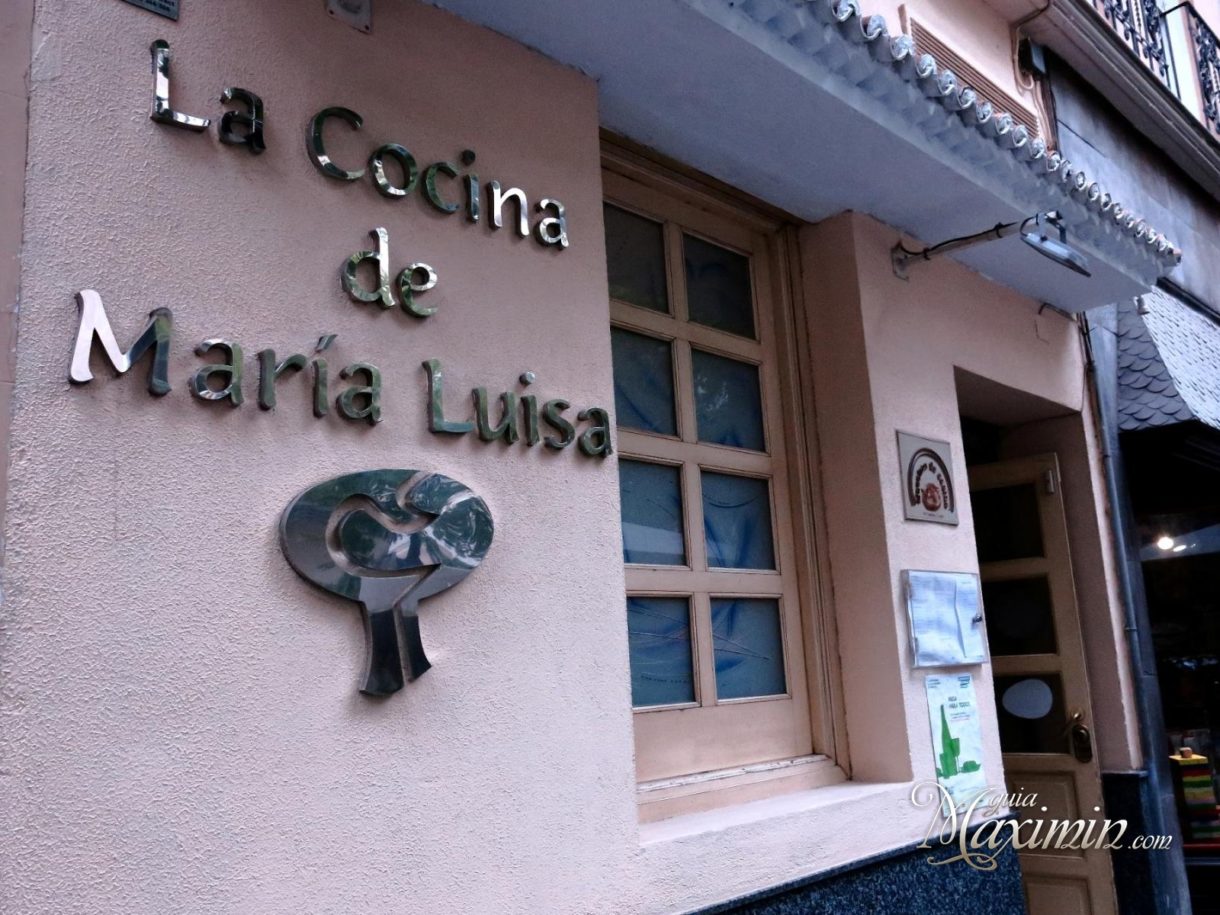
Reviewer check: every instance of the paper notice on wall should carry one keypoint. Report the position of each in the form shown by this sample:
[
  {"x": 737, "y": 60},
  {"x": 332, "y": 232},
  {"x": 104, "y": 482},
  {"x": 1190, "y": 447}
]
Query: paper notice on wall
[
  {"x": 946, "y": 614},
  {"x": 957, "y": 741}
]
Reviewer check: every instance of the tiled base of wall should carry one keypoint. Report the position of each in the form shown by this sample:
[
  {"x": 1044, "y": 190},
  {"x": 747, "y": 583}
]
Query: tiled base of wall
[{"x": 898, "y": 883}]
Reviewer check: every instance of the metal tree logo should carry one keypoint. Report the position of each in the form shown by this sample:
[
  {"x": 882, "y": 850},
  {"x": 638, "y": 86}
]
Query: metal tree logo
[{"x": 387, "y": 539}]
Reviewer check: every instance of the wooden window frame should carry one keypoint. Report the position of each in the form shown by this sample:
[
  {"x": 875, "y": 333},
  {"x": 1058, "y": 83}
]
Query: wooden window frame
[{"x": 684, "y": 203}]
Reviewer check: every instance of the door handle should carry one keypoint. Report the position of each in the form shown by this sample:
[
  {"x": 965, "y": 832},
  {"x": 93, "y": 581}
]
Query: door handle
[{"x": 1080, "y": 737}]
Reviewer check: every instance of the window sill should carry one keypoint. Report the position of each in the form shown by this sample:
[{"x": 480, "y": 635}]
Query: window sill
[
  {"x": 844, "y": 798},
  {"x": 706, "y": 791}
]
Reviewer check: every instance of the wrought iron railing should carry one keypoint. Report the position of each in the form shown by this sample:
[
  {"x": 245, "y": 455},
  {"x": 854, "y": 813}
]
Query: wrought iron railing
[
  {"x": 1177, "y": 46},
  {"x": 1207, "y": 66},
  {"x": 1141, "y": 25}
]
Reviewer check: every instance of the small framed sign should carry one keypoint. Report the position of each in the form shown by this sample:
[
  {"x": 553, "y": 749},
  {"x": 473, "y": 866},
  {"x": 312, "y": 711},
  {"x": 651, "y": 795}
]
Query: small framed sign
[
  {"x": 946, "y": 614},
  {"x": 166, "y": 8},
  {"x": 927, "y": 480}
]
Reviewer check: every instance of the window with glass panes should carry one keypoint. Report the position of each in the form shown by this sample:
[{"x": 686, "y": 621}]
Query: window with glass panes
[{"x": 718, "y": 672}]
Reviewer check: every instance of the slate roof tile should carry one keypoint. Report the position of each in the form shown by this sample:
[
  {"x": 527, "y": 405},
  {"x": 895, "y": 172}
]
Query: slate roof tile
[{"x": 1168, "y": 364}]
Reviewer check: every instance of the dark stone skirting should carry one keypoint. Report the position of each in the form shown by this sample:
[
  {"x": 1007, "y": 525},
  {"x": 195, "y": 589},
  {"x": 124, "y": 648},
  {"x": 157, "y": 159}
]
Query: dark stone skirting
[{"x": 897, "y": 882}]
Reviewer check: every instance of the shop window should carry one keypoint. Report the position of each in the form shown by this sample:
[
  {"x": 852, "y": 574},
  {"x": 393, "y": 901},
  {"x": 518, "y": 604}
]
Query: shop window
[{"x": 723, "y": 643}]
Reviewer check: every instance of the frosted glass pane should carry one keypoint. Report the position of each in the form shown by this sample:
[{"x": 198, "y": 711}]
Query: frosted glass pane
[
  {"x": 658, "y": 634},
  {"x": 635, "y": 259},
  {"x": 748, "y": 645},
  {"x": 737, "y": 522},
  {"x": 652, "y": 513},
  {"x": 718, "y": 287},
  {"x": 643, "y": 383},
  {"x": 1029, "y": 723},
  {"x": 728, "y": 404}
]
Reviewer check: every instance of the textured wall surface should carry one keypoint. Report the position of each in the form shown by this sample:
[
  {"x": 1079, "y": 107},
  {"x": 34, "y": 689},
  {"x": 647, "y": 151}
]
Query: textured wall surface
[
  {"x": 1111, "y": 151},
  {"x": 179, "y": 723}
]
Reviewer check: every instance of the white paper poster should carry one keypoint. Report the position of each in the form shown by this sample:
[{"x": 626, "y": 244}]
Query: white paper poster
[
  {"x": 957, "y": 742},
  {"x": 946, "y": 613}
]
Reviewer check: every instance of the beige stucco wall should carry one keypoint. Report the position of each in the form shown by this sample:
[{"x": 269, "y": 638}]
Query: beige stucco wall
[
  {"x": 885, "y": 359},
  {"x": 978, "y": 32},
  {"x": 16, "y": 19},
  {"x": 180, "y": 725}
]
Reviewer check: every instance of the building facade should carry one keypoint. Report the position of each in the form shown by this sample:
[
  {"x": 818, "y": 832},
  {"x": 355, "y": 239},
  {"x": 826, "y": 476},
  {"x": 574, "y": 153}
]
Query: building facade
[
  {"x": 492, "y": 457},
  {"x": 1135, "y": 103}
]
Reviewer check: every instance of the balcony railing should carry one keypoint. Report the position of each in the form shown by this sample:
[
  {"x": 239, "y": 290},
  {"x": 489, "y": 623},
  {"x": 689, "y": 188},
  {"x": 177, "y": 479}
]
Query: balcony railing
[
  {"x": 1203, "y": 41},
  {"x": 1141, "y": 24},
  {"x": 1178, "y": 48}
]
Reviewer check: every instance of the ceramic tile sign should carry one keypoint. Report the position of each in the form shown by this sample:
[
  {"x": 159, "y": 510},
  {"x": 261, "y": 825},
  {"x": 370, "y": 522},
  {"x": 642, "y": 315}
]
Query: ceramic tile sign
[
  {"x": 927, "y": 483},
  {"x": 957, "y": 742},
  {"x": 946, "y": 614}
]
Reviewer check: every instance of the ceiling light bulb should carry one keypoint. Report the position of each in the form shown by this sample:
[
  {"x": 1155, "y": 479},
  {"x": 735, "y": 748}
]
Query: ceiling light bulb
[{"x": 1165, "y": 542}]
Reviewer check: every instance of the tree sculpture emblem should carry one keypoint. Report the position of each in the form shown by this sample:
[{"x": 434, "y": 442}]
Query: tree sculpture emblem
[{"x": 387, "y": 539}]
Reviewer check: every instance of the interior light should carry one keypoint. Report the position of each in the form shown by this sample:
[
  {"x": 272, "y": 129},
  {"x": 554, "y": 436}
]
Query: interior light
[{"x": 1165, "y": 542}]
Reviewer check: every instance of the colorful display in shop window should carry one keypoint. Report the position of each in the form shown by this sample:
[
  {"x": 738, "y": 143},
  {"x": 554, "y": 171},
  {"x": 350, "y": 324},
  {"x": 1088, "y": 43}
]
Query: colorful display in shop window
[{"x": 1196, "y": 794}]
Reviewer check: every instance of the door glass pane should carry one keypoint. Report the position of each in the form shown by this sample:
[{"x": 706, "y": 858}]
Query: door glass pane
[
  {"x": 718, "y": 287},
  {"x": 749, "y": 647},
  {"x": 635, "y": 259},
  {"x": 1031, "y": 714},
  {"x": 737, "y": 522},
  {"x": 1020, "y": 619},
  {"x": 728, "y": 403},
  {"x": 1006, "y": 523},
  {"x": 652, "y": 513},
  {"x": 643, "y": 383},
  {"x": 658, "y": 634}
]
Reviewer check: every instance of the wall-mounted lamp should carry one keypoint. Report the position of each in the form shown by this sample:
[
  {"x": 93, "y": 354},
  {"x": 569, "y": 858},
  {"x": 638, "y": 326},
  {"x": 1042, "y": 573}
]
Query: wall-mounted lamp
[{"x": 1036, "y": 237}]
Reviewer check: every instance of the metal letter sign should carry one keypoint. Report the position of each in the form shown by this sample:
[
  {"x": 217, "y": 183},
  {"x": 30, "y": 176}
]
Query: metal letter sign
[{"x": 361, "y": 536}]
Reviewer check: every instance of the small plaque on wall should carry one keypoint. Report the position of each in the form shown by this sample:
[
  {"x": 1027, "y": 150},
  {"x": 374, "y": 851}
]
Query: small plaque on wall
[
  {"x": 927, "y": 481},
  {"x": 166, "y": 8}
]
